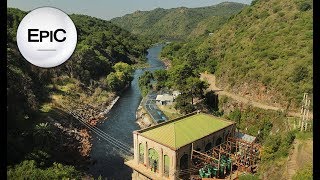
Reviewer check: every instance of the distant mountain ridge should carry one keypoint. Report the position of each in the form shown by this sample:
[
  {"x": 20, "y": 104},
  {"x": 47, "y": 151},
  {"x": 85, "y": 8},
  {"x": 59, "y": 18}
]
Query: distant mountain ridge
[{"x": 176, "y": 23}]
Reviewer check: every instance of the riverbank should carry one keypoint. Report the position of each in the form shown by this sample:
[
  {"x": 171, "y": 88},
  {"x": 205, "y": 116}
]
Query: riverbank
[
  {"x": 167, "y": 62},
  {"x": 143, "y": 119},
  {"x": 90, "y": 104},
  {"x": 72, "y": 139},
  {"x": 86, "y": 135},
  {"x": 108, "y": 159}
]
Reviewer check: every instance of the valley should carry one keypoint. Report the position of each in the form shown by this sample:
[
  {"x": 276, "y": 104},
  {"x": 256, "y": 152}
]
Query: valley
[{"x": 247, "y": 64}]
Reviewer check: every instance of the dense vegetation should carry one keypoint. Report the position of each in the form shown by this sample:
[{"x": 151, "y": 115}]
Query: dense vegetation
[
  {"x": 29, "y": 170},
  {"x": 264, "y": 52},
  {"x": 178, "y": 23},
  {"x": 145, "y": 82},
  {"x": 183, "y": 78},
  {"x": 99, "y": 68}
]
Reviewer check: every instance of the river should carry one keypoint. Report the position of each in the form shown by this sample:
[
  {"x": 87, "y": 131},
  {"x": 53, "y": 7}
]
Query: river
[{"x": 120, "y": 123}]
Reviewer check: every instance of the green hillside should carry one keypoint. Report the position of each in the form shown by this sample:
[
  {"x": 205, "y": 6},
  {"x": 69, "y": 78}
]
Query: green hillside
[
  {"x": 177, "y": 23},
  {"x": 102, "y": 57},
  {"x": 208, "y": 25},
  {"x": 264, "y": 52}
]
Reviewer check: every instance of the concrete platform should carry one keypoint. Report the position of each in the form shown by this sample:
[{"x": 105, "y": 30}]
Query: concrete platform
[{"x": 143, "y": 170}]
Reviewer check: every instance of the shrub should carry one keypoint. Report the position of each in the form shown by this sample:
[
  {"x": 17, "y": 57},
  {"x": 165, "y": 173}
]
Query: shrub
[
  {"x": 276, "y": 9},
  {"x": 254, "y": 2},
  {"x": 305, "y": 6},
  {"x": 289, "y": 138},
  {"x": 299, "y": 73},
  {"x": 278, "y": 145},
  {"x": 29, "y": 170},
  {"x": 235, "y": 115}
]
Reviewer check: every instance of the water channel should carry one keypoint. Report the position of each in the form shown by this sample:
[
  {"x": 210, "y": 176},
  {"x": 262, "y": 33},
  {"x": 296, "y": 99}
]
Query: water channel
[{"x": 108, "y": 160}]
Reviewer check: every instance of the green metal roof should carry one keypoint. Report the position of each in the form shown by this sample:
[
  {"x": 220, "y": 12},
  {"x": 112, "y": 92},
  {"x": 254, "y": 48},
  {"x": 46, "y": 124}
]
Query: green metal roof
[{"x": 178, "y": 133}]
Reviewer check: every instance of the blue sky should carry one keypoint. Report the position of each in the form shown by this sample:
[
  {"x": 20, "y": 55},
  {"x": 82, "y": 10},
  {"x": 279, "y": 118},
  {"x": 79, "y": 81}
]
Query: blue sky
[{"x": 108, "y": 9}]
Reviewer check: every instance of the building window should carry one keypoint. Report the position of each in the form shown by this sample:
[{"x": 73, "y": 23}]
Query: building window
[
  {"x": 141, "y": 153},
  {"x": 166, "y": 165},
  {"x": 153, "y": 160}
]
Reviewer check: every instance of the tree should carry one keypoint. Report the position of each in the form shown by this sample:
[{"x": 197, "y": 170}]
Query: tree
[
  {"x": 305, "y": 6},
  {"x": 178, "y": 76},
  {"x": 192, "y": 59},
  {"x": 183, "y": 104},
  {"x": 211, "y": 66},
  {"x": 113, "y": 82},
  {"x": 161, "y": 77},
  {"x": 195, "y": 87},
  {"x": 43, "y": 135},
  {"x": 235, "y": 115},
  {"x": 29, "y": 170},
  {"x": 126, "y": 69},
  {"x": 122, "y": 76},
  {"x": 145, "y": 82}
]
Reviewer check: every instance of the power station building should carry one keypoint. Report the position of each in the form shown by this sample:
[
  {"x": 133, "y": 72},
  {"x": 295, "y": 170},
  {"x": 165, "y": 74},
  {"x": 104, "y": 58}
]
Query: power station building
[{"x": 164, "y": 150}]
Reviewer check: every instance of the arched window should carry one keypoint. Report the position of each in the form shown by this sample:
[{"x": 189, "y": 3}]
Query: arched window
[
  {"x": 141, "y": 153},
  {"x": 166, "y": 163},
  {"x": 153, "y": 160}
]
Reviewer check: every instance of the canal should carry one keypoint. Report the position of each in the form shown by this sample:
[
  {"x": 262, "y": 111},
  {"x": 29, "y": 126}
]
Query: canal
[{"x": 108, "y": 160}]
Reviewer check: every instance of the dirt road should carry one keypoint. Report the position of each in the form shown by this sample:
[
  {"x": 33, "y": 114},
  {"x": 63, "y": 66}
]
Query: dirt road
[{"x": 211, "y": 79}]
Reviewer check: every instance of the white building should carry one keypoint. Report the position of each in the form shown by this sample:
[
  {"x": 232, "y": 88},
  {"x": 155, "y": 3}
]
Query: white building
[{"x": 164, "y": 99}]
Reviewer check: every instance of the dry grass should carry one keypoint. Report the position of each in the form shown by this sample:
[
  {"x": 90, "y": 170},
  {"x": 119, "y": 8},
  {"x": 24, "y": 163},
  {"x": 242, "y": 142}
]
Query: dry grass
[{"x": 170, "y": 111}]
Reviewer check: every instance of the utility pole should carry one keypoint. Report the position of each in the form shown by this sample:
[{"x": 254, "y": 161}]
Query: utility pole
[
  {"x": 305, "y": 112},
  {"x": 307, "y": 118}
]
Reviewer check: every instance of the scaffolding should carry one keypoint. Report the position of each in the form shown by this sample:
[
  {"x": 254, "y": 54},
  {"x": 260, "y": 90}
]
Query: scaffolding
[{"x": 222, "y": 160}]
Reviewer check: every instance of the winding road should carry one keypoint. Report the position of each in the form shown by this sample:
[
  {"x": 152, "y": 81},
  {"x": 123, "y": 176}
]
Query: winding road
[{"x": 211, "y": 79}]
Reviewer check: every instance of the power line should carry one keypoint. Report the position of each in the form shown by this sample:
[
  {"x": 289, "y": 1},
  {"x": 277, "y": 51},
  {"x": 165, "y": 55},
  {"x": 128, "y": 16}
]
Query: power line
[
  {"x": 125, "y": 145},
  {"x": 104, "y": 135},
  {"x": 105, "y": 138}
]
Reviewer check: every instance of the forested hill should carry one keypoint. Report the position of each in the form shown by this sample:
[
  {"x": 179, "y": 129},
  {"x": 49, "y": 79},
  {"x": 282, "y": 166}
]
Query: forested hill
[
  {"x": 263, "y": 53},
  {"x": 97, "y": 70},
  {"x": 177, "y": 23}
]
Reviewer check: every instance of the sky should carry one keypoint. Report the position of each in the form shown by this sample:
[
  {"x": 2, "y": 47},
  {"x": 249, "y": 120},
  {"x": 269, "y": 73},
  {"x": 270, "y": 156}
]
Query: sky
[{"x": 108, "y": 9}]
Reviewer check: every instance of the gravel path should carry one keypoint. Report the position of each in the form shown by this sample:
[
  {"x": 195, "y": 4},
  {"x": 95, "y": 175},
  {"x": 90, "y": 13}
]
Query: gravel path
[{"x": 211, "y": 79}]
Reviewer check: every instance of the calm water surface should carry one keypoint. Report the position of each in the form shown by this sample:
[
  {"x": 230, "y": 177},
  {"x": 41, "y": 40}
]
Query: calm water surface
[{"x": 109, "y": 162}]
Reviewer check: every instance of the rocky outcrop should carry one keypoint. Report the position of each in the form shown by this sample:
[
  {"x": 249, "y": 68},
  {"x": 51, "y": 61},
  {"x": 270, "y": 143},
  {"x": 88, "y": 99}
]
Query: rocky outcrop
[{"x": 142, "y": 117}]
